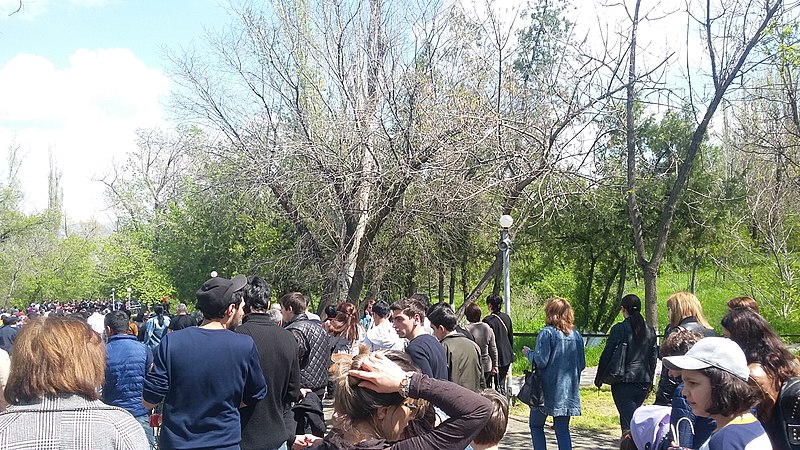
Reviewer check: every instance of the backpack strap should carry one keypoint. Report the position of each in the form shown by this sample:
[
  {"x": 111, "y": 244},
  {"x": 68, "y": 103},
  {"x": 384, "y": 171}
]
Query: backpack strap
[{"x": 789, "y": 411}]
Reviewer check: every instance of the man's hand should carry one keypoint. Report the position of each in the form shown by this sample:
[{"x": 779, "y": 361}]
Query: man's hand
[{"x": 304, "y": 392}]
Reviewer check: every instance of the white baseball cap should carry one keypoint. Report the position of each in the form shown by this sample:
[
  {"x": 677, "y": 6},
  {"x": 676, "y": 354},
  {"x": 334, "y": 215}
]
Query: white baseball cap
[{"x": 719, "y": 352}]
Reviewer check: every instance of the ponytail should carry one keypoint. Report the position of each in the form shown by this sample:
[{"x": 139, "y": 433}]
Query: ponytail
[{"x": 633, "y": 305}]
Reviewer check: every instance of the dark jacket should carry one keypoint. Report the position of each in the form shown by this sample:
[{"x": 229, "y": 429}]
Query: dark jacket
[
  {"x": 667, "y": 384},
  {"x": 642, "y": 356},
  {"x": 7, "y": 336},
  {"x": 263, "y": 423},
  {"x": 464, "y": 362},
  {"x": 127, "y": 361},
  {"x": 313, "y": 351},
  {"x": 503, "y": 337}
]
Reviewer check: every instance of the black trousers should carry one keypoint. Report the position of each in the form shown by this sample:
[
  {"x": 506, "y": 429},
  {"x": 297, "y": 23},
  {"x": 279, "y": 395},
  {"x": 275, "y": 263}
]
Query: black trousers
[{"x": 628, "y": 397}]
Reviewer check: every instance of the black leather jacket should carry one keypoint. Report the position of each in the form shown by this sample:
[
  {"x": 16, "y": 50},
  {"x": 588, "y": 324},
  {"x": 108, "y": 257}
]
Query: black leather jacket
[
  {"x": 641, "y": 358},
  {"x": 667, "y": 384}
]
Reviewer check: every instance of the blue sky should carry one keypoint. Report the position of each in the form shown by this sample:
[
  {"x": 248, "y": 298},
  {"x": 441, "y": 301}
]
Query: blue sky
[{"x": 78, "y": 77}]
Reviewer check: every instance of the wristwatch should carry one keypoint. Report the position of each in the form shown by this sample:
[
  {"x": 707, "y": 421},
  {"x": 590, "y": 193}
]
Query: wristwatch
[{"x": 405, "y": 384}]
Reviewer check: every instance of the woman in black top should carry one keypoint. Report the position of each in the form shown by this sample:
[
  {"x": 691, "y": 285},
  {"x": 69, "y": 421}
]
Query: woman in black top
[
  {"x": 640, "y": 360},
  {"x": 503, "y": 337}
]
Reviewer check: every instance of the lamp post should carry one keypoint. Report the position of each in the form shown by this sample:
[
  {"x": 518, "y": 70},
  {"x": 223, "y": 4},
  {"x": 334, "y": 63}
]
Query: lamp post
[
  {"x": 505, "y": 246},
  {"x": 129, "y": 297}
]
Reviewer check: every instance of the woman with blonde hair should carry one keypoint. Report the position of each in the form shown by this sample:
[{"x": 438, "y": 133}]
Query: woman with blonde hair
[
  {"x": 560, "y": 359},
  {"x": 685, "y": 313},
  {"x": 57, "y": 368}
]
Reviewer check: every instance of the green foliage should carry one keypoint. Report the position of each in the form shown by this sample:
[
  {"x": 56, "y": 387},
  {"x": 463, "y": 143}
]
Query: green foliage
[{"x": 127, "y": 261}]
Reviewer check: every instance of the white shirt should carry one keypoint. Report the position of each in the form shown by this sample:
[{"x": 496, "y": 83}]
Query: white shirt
[{"x": 383, "y": 337}]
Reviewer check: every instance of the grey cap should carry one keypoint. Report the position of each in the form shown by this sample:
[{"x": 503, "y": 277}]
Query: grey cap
[{"x": 719, "y": 352}]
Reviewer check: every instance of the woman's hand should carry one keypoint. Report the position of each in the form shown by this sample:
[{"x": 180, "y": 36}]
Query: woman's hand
[
  {"x": 525, "y": 350},
  {"x": 379, "y": 374},
  {"x": 302, "y": 441}
]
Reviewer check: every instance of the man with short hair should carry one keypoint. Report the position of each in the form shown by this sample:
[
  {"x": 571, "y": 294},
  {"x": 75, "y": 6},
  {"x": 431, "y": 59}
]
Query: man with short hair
[
  {"x": 8, "y": 333},
  {"x": 269, "y": 424},
  {"x": 313, "y": 351},
  {"x": 382, "y": 335},
  {"x": 205, "y": 374},
  {"x": 424, "y": 349},
  {"x": 463, "y": 355},
  {"x": 127, "y": 361},
  {"x": 314, "y": 355},
  {"x": 181, "y": 320}
]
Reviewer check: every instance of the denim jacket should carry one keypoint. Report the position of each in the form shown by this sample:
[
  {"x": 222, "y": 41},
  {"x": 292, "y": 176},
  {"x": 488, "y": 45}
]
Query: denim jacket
[{"x": 560, "y": 360}]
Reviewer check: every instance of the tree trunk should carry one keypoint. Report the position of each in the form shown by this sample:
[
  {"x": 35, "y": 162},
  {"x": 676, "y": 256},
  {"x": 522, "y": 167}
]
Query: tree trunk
[
  {"x": 587, "y": 302},
  {"x": 452, "y": 293},
  {"x": 487, "y": 277},
  {"x": 464, "y": 276},
  {"x": 440, "y": 292},
  {"x": 650, "y": 274},
  {"x": 695, "y": 266}
]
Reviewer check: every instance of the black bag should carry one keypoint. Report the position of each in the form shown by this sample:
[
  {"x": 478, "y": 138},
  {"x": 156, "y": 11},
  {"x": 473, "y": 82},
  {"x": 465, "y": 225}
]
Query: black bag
[
  {"x": 532, "y": 392},
  {"x": 788, "y": 406},
  {"x": 615, "y": 371}
]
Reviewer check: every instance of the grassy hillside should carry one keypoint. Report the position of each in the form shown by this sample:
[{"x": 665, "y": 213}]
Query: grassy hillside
[{"x": 713, "y": 290}]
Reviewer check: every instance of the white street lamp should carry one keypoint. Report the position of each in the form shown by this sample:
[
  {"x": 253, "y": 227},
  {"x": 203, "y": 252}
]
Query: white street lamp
[{"x": 505, "y": 246}]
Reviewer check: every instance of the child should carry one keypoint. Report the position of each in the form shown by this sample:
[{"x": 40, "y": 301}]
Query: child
[
  {"x": 495, "y": 428},
  {"x": 692, "y": 430},
  {"x": 715, "y": 375}
]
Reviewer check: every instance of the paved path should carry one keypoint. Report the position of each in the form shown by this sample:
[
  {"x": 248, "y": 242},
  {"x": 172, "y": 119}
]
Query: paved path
[{"x": 518, "y": 436}]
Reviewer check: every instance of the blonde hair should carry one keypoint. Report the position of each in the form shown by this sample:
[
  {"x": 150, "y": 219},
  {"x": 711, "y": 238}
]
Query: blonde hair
[
  {"x": 682, "y": 305},
  {"x": 558, "y": 314},
  {"x": 355, "y": 404},
  {"x": 54, "y": 356}
]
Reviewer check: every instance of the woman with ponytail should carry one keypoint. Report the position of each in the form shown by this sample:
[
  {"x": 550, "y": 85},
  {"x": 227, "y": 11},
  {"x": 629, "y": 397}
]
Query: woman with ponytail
[
  {"x": 345, "y": 330},
  {"x": 640, "y": 360},
  {"x": 156, "y": 328}
]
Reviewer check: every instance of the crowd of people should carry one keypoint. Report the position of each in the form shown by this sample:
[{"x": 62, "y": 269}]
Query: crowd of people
[
  {"x": 243, "y": 372},
  {"x": 252, "y": 374}
]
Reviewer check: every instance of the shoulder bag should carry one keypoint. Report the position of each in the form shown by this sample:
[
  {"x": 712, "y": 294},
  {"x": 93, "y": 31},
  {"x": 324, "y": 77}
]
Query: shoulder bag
[
  {"x": 617, "y": 365},
  {"x": 532, "y": 392}
]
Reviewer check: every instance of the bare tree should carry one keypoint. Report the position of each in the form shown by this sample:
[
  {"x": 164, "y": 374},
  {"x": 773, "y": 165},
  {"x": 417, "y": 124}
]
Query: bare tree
[{"x": 730, "y": 32}]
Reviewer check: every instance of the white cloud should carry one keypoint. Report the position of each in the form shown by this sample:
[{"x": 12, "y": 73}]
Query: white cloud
[{"x": 86, "y": 114}]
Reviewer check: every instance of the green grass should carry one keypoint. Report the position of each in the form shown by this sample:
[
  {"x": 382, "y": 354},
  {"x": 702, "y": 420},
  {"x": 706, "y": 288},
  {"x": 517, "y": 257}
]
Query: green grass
[{"x": 598, "y": 412}]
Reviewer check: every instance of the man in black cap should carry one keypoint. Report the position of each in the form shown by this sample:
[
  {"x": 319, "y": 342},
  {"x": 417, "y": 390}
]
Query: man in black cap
[{"x": 205, "y": 374}]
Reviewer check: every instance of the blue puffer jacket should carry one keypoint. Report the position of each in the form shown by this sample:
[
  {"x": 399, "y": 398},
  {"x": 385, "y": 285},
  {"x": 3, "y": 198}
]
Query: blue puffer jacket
[{"x": 126, "y": 364}]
